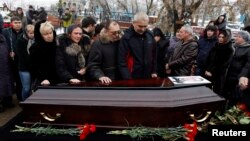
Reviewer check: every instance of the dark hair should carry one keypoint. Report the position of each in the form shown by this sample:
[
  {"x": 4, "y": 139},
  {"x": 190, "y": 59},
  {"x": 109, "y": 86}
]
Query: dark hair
[
  {"x": 223, "y": 32},
  {"x": 247, "y": 28},
  {"x": 31, "y": 7},
  {"x": 157, "y": 32},
  {"x": 88, "y": 21},
  {"x": 212, "y": 28},
  {"x": 98, "y": 28},
  {"x": 19, "y": 8},
  {"x": 72, "y": 27},
  {"x": 15, "y": 18}
]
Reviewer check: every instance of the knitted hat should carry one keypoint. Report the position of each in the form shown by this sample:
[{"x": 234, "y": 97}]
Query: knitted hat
[{"x": 245, "y": 35}]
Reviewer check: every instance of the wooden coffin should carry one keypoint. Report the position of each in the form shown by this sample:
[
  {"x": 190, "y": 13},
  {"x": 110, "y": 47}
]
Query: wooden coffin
[{"x": 121, "y": 107}]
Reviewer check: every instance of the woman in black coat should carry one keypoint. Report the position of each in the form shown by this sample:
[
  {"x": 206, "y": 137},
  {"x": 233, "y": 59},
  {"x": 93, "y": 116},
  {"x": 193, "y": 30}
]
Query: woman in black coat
[
  {"x": 239, "y": 67},
  {"x": 70, "y": 60},
  {"x": 43, "y": 53},
  {"x": 218, "y": 61},
  {"x": 162, "y": 45}
]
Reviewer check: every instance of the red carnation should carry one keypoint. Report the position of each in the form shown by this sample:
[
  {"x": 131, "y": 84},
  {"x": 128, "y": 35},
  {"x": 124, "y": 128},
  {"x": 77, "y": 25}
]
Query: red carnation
[
  {"x": 83, "y": 135},
  {"x": 242, "y": 107},
  {"x": 191, "y": 131},
  {"x": 86, "y": 129},
  {"x": 92, "y": 128}
]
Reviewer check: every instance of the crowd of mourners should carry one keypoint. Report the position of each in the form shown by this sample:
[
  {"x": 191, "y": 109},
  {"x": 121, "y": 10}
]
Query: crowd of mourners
[{"x": 32, "y": 54}]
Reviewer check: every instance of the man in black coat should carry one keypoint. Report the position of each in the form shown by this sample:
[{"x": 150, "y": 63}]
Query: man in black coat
[
  {"x": 137, "y": 50},
  {"x": 11, "y": 34},
  {"x": 102, "y": 61},
  {"x": 88, "y": 28}
]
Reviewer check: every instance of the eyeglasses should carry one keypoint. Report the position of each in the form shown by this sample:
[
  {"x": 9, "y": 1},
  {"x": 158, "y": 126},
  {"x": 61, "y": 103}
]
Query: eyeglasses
[
  {"x": 221, "y": 37},
  {"x": 116, "y": 32}
]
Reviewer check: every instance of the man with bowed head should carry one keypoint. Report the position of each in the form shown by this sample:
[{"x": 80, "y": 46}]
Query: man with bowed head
[
  {"x": 102, "y": 61},
  {"x": 184, "y": 55},
  {"x": 137, "y": 50}
]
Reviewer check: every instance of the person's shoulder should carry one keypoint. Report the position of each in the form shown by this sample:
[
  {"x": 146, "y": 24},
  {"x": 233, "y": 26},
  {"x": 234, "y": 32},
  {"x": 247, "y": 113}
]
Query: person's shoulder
[
  {"x": 96, "y": 43},
  {"x": 6, "y": 31},
  {"x": 193, "y": 43},
  {"x": 2, "y": 38},
  {"x": 149, "y": 32},
  {"x": 128, "y": 33}
]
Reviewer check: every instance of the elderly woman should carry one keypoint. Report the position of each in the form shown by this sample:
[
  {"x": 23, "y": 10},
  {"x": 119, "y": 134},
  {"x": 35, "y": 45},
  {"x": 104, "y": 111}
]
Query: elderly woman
[
  {"x": 239, "y": 67},
  {"x": 70, "y": 61},
  {"x": 43, "y": 53}
]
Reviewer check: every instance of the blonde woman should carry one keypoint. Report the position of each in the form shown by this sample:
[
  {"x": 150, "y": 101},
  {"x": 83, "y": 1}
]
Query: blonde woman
[{"x": 43, "y": 54}]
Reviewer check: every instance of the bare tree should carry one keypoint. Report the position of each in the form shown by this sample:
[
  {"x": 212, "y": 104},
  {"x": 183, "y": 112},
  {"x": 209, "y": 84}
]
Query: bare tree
[
  {"x": 134, "y": 5},
  {"x": 244, "y": 9},
  {"x": 124, "y": 5},
  {"x": 149, "y": 4},
  {"x": 8, "y": 3},
  {"x": 175, "y": 15},
  {"x": 105, "y": 6}
]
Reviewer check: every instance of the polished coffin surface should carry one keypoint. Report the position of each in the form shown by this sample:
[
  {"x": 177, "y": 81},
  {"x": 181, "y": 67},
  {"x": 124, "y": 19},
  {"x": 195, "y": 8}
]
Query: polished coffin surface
[{"x": 120, "y": 107}]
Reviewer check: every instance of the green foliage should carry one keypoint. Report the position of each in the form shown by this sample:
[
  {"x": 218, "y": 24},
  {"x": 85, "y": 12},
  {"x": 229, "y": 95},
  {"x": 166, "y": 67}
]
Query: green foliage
[
  {"x": 39, "y": 130},
  {"x": 171, "y": 134}
]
